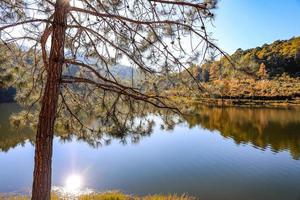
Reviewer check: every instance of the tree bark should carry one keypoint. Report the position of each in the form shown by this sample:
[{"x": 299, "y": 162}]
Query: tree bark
[{"x": 41, "y": 188}]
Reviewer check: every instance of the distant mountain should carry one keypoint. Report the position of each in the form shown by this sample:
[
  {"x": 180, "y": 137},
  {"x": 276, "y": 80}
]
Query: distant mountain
[
  {"x": 282, "y": 56},
  {"x": 123, "y": 72},
  {"x": 118, "y": 71}
]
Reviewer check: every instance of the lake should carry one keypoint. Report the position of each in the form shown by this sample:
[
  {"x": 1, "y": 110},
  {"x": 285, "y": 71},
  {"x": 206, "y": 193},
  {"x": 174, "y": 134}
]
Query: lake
[{"x": 216, "y": 154}]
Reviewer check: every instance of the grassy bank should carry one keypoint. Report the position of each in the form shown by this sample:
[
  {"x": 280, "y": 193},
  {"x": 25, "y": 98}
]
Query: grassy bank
[
  {"x": 121, "y": 196},
  {"x": 282, "y": 91},
  {"x": 108, "y": 196}
]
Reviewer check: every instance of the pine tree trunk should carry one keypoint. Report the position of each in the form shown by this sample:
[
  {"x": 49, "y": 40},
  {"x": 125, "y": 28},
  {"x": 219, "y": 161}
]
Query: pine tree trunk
[{"x": 41, "y": 188}]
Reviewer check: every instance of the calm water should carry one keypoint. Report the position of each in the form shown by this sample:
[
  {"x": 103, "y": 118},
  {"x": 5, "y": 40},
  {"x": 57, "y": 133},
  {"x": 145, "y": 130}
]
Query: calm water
[{"x": 218, "y": 154}]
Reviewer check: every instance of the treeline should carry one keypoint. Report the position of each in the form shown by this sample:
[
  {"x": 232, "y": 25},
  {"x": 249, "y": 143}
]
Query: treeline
[
  {"x": 266, "y": 62},
  {"x": 267, "y": 75}
]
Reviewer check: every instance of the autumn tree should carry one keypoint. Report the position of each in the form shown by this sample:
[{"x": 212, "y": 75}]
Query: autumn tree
[
  {"x": 67, "y": 51},
  {"x": 262, "y": 71}
]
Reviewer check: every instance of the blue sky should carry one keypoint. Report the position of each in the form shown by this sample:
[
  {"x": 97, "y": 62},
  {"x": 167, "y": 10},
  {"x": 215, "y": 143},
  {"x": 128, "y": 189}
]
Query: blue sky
[{"x": 250, "y": 23}]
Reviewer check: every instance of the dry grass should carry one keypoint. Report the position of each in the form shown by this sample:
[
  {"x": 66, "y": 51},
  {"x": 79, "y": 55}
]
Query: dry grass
[
  {"x": 122, "y": 196},
  {"x": 108, "y": 196}
]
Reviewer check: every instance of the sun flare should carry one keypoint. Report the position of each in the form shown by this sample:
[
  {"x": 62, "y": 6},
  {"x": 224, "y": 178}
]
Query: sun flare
[{"x": 73, "y": 183}]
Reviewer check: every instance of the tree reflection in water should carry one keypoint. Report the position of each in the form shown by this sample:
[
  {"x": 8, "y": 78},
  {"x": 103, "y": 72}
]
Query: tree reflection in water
[
  {"x": 261, "y": 127},
  {"x": 277, "y": 129}
]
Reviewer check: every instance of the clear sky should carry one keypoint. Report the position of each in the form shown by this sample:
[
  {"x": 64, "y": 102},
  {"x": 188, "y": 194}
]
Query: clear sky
[{"x": 250, "y": 23}]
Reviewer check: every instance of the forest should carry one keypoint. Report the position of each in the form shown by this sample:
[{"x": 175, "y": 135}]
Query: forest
[
  {"x": 264, "y": 75},
  {"x": 267, "y": 75}
]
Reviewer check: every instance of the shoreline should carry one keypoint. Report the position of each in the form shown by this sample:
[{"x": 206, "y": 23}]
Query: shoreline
[
  {"x": 236, "y": 102},
  {"x": 242, "y": 102},
  {"x": 108, "y": 195}
]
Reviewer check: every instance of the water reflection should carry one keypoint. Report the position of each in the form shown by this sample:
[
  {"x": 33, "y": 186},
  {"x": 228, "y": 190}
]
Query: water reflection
[
  {"x": 278, "y": 129},
  {"x": 73, "y": 183},
  {"x": 73, "y": 188},
  {"x": 213, "y": 148},
  {"x": 10, "y": 137}
]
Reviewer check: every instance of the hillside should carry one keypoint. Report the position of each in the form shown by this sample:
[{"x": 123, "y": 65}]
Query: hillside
[
  {"x": 267, "y": 75},
  {"x": 269, "y": 60},
  {"x": 9, "y": 71},
  {"x": 270, "y": 72}
]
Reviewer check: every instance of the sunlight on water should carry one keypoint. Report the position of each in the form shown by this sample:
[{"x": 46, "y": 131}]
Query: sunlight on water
[
  {"x": 244, "y": 153},
  {"x": 73, "y": 183},
  {"x": 73, "y": 187}
]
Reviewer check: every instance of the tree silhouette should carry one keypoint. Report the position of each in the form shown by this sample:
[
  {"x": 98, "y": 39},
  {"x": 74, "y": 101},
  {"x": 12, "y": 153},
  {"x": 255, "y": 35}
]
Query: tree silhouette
[{"x": 67, "y": 49}]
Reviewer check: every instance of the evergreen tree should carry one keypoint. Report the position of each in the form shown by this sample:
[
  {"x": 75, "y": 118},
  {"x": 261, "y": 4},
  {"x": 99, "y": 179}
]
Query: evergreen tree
[{"x": 91, "y": 36}]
